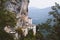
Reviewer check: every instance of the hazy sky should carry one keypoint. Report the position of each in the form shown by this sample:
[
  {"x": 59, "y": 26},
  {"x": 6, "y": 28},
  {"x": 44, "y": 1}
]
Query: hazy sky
[{"x": 42, "y": 3}]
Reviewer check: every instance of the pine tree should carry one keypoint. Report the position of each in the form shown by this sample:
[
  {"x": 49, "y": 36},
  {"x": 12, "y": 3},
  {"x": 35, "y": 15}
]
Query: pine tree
[
  {"x": 56, "y": 15},
  {"x": 6, "y": 19}
]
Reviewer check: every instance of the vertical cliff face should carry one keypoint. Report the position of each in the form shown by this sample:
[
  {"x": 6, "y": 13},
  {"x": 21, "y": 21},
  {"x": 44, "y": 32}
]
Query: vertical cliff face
[
  {"x": 20, "y": 7},
  {"x": 17, "y": 6},
  {"x": 23, "y": 13}
]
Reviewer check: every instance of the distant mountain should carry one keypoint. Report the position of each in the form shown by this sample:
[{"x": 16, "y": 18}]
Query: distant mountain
[{"x": 39, "y": 15}]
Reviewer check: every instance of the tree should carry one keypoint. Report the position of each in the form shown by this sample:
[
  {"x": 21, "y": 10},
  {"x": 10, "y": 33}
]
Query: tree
[
  {"x": 44, "y": 29},
  {"x": 20, "y": 34},
  {"x": 30, "y": 36},
  {"x": 56, "y": 14},
  {"x": 6, "y": 19},
  {"x": 5, "y": 36}
]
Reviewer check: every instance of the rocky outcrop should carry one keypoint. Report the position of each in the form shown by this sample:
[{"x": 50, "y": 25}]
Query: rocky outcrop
[{"x": 20, "y": 7}]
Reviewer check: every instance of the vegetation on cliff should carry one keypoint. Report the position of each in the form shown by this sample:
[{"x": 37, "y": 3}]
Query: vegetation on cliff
[{"x": 45, "y": 31}]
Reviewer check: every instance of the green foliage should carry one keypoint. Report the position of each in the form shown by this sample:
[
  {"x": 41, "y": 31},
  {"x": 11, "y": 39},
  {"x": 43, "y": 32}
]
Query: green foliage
[
  {"x": 39, "y": 36},
  {"x": 2, "y": 4},
  {"x": 30, "y": 36},
  {"x": 55, "y": 34},
  {"x": 6, "y": 19},
  {"x": 44, "y": 31},
  {"x": 5, "y": 36}
]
